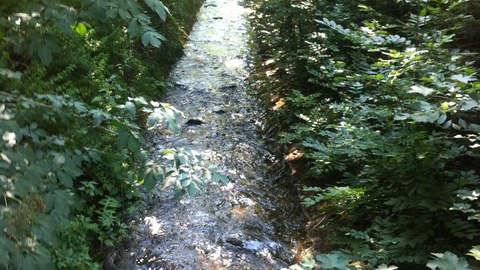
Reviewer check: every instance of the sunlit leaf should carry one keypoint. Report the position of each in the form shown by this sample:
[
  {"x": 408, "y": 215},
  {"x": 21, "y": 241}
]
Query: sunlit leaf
[
  {"x": 130, "y": 108},
  {"x": 462, "y": 78},
  {"x": 447, "y": 261},
  {"x": 475, "y": 252},
  {"x": 10, "y": 74},
  {"x": 421, "y": 90},
  {"x": 59, "y": 159},
  {"x": 386, "y": 267},
  {"x": 81, "y": 29}
]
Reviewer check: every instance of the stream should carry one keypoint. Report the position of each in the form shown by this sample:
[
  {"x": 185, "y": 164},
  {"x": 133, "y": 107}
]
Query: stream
[{"x": 253, "y": 221}]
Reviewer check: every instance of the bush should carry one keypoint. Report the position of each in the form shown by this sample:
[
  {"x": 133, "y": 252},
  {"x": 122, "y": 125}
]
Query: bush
[
  {"x": 383, "y": 105},
  {"x": 71, "y": 78}
]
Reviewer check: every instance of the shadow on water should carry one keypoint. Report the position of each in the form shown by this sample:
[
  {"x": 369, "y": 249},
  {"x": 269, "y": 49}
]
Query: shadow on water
[{"x": 249, "y": 223}]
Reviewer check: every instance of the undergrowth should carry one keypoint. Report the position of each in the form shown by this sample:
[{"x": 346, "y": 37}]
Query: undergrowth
[
  {"x": 380, "y": 101},
  {"x": 78, "y": 80}
]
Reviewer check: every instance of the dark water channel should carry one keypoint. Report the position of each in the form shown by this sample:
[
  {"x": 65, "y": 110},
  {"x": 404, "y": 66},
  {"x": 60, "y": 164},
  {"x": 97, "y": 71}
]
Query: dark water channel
[{"x": 249, "y": 223}]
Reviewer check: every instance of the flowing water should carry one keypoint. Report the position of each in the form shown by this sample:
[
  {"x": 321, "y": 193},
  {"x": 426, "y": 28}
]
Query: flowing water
[{"x": 248, "y": 223}]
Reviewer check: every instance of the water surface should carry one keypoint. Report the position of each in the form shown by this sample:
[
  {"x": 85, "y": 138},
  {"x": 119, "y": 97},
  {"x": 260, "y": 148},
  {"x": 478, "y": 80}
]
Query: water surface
[{"x": 246, "y": 224}]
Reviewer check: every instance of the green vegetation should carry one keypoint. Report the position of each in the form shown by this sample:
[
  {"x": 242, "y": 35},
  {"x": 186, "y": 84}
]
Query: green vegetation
[
  {"x": 379, "y": 103},
  {"x": 77, "y": 79}
]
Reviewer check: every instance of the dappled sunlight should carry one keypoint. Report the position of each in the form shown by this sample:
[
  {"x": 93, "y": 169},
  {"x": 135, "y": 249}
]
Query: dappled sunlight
[
  {"x": 223, "y": 225},
  {"x": 154, "y": 224}
]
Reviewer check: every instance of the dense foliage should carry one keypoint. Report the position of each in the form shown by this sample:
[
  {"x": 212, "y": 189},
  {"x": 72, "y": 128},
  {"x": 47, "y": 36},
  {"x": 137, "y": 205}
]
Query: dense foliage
[
  {"x": 379, "y": 101},
  {"x": 72, "y": 77}
]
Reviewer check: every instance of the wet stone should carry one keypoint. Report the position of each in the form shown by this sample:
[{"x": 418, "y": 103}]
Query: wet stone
[
  {"x": 194, "y": 122},
  {"x": 234, "y": 240}
]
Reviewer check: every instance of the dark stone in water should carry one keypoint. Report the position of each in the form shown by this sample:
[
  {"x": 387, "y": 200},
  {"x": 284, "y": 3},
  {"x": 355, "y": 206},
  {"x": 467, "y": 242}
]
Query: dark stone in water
[
  {"x": 229, "y": 87},
  {"x": 217, "y": 18},
  {"x": 220, "y": 111},
  {"x": 195, "y": 122},
  {"x": 234, "y": 240}
]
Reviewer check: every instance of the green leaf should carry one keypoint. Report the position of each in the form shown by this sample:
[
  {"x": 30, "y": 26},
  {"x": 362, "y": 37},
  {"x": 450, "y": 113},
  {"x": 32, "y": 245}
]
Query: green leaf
[
  {"x": 112, "y": 13},
  {"x": 154, "y": 118},
  {"x": 475, "y": 252},
  {"x": 133, "y": 28},
  {"x": 59, "y": 159},
  {"x": 423, "y": 13},
  {"x": 42, "y": 257},
  {"x": 7, "y": 247},
  {"x": 10, "y": 74},
  {"x": 99, "y": 116},
  {"x": 130, "y": 108},
  {"x": 123, "y": 135},
  {"x": 308, "y": 263},
  {"x": 80, "y": 107},
  {"x": 333, "y": 260},
  {"x": 158, "y": 7},
  {"x": 442, "y": 119},
  {"x": 153, "y": 38},
  {"x": 217, "y": 177},
  {"x": 124, "y": 14},
  {"x": 386, "y": 267},
  {"x": 81, "y": 29},
  {"x": 63, "y": 200},
  {"x": 421, "y": 90},
  {"x": 134, "y": 144},
  {"x": 72, "y": 169},
  {"x": 149, "y": 181},
  {"x": 154, "y": 175},
  {"x": 462, "y": 78},
  {"x": 94, "y": 155},
  {"x": 65, "y": 179},
  {"x": 46, "y": 49},
  {"x": 447, "y": 261},
  {"x": 469, "y": 104},
  {"x": 191, "y": 190}
]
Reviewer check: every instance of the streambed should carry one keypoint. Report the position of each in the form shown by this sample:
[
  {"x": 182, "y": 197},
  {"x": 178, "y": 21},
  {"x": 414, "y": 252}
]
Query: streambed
[{"x": 249, "y": 223}]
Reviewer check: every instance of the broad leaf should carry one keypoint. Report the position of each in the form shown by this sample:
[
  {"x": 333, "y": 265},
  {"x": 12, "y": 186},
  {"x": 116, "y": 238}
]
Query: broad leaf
[
  {"x": 65, "y": 179},
  {"x": 130, "y": 108},
  {"x": 386, "y": 267},
  {"x": 46, "y": 49},
  {"x": 333, "y": 260},
  {"x": 475, "y": 252},
  {"x": 81, "y": 29},
  {"x": 462, "y": 78},
  {"x": 10, "y": 74},
  {"x": 421, "y": 90},
  {"x": 153, "y": 38},
  {"x": 158, "y": 7},
  {"x": 133, "y": 28},
  {"x": 217, "y": 177},
  {"x": 447, "y": 261},
  {"x": 469, "y": 104}
]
